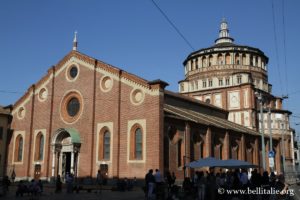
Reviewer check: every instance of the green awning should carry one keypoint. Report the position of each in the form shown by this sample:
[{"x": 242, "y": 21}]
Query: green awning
[{"x": 75, "y": 136}]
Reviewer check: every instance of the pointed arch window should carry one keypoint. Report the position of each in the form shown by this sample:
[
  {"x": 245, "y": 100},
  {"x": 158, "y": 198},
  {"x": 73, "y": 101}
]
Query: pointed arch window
[
  {"x": 19, "y": 149},
  {"x": 106, "y": 146},
  {"x": 136, "y": 143},
  {"x": 39, "y": 147}
]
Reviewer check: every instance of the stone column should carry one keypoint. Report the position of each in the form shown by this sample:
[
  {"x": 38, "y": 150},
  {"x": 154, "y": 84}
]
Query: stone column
[
  {"x": 58, "y": 163},
  {"x": 243, "y": 149},
  {"x": 53, "y": 163},
  {"x": 208, "y": 142},
  {"x": 247, "y": 59},
  {"x": 226, "y": 153},
  {"x": 187, "y": 146},
  {"x": 267, "y": 147},
  {"x": 72, "y": 162},
  {"x": 256, "y": 152},
  {"x": 259, "y": 62},
  {"x": 278, "y": 166}
]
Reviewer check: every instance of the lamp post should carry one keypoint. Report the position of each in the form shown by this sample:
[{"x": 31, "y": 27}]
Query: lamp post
[
  {"x": 270, "y": 134},
  {"x": 263, "y": 153},
  {"x": 282, "y": 146}
]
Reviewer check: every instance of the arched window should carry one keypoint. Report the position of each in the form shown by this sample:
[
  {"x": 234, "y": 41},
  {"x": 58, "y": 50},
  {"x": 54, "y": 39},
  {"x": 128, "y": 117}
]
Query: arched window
[
  {"x": 19, "y": 149},
  {"x": 196, "y": 63},
  {"x": 218, "y": 151},
  {"x": 106, "y": 146},
  {"x": 204, "y": 61},
  {"x": 207, "y": 100},
  {"x": 136, "y": 143},
  {"x": 237, "y": 59},
  {"x": 220, "y": 59},
  {"x": 227, "y": 59},
  {"x": 251, "y": 60},
  {"x": 256, "y": 61},
  {"x": 210, "y": 63},
  {"x": 243, "y": 59},
  {"x": 234, "y": 152},
  {"x": 39, "y": 147}
]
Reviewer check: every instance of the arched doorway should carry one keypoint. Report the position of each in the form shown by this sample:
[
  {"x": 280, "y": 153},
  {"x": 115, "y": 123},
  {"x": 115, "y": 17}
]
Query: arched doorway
[{"x": 66, "y": 145}]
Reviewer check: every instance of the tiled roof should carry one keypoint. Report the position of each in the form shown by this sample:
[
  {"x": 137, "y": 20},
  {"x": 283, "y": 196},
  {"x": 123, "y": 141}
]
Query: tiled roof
[
  {"x": 207, "y": 119},
  {"x": 191, "y": 99}
]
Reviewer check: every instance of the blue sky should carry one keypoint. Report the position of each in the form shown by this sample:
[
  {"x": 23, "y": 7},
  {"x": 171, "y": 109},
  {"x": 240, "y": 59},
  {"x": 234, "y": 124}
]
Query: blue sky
[{"x": 134, "y": 36}]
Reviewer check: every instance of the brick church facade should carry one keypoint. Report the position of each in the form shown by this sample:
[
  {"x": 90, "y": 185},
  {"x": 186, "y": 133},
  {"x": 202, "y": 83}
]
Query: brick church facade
[{"x": 85, "y": 115}]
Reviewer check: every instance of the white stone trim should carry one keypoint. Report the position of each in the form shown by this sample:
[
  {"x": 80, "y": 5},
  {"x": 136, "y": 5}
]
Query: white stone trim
[
  {"x": 133, "y": 100},
  {"x": 74, "y": 60},
  {"x": 102, "y": 81},
  {"x": 43, "y": 131},
  {"x": 38, "y": 94},
  {"x": 130, "y": 124},
  {"x": 68, "y": 70},
  {"x": 16, "y": 133},
  {"x": 18, "y": 112},
  {"x": 109, "y": 126}
]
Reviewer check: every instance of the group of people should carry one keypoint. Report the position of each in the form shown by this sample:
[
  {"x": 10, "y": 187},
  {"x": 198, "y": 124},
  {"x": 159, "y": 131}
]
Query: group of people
[
  {"x": 34, "y": 187},
  {"x": 69, "y": 180},
  {"x": 155, "y": 183},
  {"x": 208, "y": 185}
]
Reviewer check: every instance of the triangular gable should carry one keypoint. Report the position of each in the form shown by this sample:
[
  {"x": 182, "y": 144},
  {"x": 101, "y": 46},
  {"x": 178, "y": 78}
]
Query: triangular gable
[{"x": 89, "y": 62}]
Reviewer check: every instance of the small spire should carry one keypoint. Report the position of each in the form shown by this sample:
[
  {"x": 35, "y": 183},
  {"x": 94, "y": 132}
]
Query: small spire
[
  {"x": 224, "y": 33},
  {"x": 75, "y": 41}
]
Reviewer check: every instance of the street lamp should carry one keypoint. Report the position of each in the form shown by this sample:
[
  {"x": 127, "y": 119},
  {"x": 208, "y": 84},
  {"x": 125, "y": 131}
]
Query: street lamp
[
  {"x": 282, "y": 146},
  {"x": 271, "y": 141},
  {"x": 260, "y": 99}
]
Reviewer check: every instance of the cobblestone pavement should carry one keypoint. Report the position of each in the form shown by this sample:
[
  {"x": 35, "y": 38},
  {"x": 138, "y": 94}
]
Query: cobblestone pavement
[{"x": 137, "y": 194}]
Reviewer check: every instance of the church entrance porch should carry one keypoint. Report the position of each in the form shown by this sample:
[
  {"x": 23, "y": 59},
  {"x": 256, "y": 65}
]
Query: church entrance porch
[{"x": 65, "y": 148}]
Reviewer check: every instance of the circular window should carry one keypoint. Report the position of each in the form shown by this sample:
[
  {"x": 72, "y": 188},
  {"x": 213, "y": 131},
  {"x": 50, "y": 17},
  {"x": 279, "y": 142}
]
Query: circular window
[
  {"x": 106, "y": 83},
  {"x": 43, "y": 93},
  {"x": 21, "y": 113},
  {"x": 71, "y": 107},
  {"x": 73, "y": 71},
  {"x": 137, "y": 97},
  {"x": 207, "y": 101}
]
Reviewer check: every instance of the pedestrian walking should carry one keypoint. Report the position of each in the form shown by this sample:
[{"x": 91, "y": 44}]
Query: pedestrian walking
[
  {"x": 99, "y": 181},
  {"x": 58, "y": 184}
]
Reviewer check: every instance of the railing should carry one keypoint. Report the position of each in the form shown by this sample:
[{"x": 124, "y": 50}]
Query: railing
[{"x": 292, "y": 174}]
